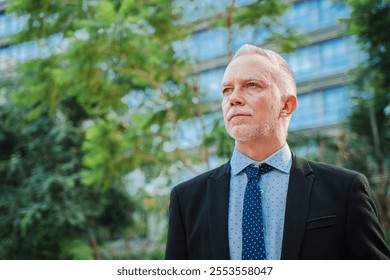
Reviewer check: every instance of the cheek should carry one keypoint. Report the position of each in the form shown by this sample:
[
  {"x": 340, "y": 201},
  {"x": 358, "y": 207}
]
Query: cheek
[
  {"x": 266, "y": 108},
  {"x": 224, "y": 107}
]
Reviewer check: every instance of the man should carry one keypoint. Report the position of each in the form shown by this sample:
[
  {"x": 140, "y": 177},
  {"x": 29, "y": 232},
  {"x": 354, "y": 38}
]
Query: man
[{"x": 307, "y": 210}]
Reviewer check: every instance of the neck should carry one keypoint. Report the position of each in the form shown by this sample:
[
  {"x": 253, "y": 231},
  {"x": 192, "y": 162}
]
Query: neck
[{"x": 259, "y": 149}]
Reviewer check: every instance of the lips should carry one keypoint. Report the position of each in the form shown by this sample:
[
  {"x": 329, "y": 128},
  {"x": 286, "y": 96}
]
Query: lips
[{"x": 237, "y": 114}]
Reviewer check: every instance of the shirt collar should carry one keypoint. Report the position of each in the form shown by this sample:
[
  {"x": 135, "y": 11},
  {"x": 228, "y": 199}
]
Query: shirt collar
[{"x": 280, "y": 160}]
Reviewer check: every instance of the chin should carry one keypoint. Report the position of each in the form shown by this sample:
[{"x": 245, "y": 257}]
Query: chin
[
  {"x": 250, "y": 132},
  {"x": 243, "y": 133}
]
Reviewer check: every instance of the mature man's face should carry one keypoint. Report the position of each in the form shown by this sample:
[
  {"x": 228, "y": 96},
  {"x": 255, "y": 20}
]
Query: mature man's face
[{"x": 251, "y": 101}]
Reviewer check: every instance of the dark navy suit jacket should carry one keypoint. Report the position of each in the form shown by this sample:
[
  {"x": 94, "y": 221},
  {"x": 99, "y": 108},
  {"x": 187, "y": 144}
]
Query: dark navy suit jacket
[{"x": 329, "y": 215}]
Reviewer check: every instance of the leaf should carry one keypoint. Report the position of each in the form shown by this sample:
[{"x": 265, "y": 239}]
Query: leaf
[{"x": 106, "y": 12}]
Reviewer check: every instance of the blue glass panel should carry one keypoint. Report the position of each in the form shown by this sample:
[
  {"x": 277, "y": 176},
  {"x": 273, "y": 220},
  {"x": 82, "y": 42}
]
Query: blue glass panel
[
  {"x": 312, "y": 15},
  {"x": 29, "y": 50},
  {"x": 330, "y": 12},
  {"x": 243, "y": 35},
  {"x": 335, "y": 55},
  {"x": 337, "y": 103},
  {"x": 322, "y": 59},
  {"x": 240, "y": 3},
  {"x": 210, "y": 84},
  {"x": 321, "y": 108},
  {"x": 20, "y": 52},
  {"x": 10, "y": 25},
  {"x": 305, "y": 62},
  {"x": 190, "y": 131},
  {"x": 208, "y": 44},
  {"x": 202, "y": 9}
]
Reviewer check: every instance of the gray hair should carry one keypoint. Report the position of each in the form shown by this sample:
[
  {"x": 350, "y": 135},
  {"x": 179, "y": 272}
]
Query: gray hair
[{"x": 284, "y": 78}]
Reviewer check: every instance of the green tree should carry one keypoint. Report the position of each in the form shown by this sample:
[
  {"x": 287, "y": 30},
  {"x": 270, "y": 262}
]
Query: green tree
[
  {"x": 108, "y": 71},
  {"x": 47, "y": 213},
  {"x": 117, "y": 60},
  {"x": 369, "y": 149},
  {"x": 108, "y": 51},
  {"x": 91, "y": 56}
]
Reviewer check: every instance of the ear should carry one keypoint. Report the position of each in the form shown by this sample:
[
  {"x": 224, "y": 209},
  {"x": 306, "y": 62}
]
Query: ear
[{"x": 289, "y": 105}]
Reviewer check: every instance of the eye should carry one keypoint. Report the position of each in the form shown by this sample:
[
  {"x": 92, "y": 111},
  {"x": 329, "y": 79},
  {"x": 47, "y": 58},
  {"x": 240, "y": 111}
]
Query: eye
[
  {"x": 226, "y": 90},
  {"x": 251, "y": 85}
]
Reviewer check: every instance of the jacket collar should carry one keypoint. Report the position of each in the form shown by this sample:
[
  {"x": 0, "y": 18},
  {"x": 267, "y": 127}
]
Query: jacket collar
[
  {"x": 218, "y": 203},
  {"x": 297, "y": 206}
]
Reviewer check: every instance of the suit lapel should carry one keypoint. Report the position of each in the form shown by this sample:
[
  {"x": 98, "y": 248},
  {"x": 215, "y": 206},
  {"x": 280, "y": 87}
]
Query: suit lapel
[
  {"x": 218, "y": 196},
  {"x": 297, "y": 205}
]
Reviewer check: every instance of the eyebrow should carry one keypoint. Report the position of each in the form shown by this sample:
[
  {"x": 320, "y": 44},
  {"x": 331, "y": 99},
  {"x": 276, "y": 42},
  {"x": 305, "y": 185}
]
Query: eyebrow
[{"x": 261, "y": 80}]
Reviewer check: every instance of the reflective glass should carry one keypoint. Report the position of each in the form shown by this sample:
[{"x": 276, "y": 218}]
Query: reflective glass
[
  {"x": 190, "y": 131},
  {"x": 312, "y": 15},
  {"x": 210, "y": 84},
  {"x": 321, "y": 108},
  {"x": 325, "y": 58},
  {"x": 208, "y": 44},
  {"x": 10, "y": 25},
  {"x": 194, "y": 10}
]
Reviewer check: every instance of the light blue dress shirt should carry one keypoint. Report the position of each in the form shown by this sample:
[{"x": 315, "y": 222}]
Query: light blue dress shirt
[{"x": 274, "y": 185}]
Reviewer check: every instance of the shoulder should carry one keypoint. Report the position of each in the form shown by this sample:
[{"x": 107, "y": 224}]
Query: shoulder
[
  {"x": 321, "y": 167},
  {"x": 329, "y": 172},
  {"x": 200, "y": 181},
  {"x": 331, "y": 185}
]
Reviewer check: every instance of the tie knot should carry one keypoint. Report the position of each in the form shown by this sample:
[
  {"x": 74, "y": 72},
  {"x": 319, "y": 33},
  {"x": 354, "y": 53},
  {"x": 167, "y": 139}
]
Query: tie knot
[{"x": 256, "y": 172}]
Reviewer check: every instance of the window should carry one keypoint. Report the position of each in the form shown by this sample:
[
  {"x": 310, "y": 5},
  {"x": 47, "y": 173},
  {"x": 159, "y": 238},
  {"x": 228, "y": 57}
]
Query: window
[
  {"x": 335, "y": 55},
  {"x": 326, "y": 58},
  {"x": 312, "y": 15},
  {"x": 197, "y": 10},
  {"x": 305, "y": 62},
  {"x": 208, "y": 44},
  {"x": 210, "y": 84},
  {"x": 20, "y": 52},
  {"x": 10, "y": 25},
  {"x": 330, "y": 12},
  {"x": 321, "y": 108},
  {"x": 29, "y": 50},
  {"x": 189, "y": 132}
]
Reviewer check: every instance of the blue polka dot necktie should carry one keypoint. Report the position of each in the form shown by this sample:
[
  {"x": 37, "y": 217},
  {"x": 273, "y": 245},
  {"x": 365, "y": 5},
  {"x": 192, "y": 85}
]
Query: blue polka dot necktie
[{"x": 253, "y": 247}]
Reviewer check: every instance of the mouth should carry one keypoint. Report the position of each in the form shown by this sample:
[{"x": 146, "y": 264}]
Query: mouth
[{"x": 230, "y": 117}]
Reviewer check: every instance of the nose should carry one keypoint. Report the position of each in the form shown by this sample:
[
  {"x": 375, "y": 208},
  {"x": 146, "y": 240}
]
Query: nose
[{"x": 236, "y": 98}]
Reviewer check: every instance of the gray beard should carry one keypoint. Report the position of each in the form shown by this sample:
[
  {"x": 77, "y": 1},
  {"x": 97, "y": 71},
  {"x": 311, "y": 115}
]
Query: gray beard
[{"x": 246, "y": 132}]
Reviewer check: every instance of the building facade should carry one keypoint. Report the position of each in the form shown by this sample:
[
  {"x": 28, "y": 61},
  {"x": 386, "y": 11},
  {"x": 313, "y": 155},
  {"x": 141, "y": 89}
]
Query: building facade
[{"x": 320, "y": 65}]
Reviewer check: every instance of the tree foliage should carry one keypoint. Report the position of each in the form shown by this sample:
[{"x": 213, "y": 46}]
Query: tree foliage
[
  {"x": 106, "y": 51},
  {"x": 103, "y": 97},
  {"x": 369, "y": 149},
  {"x": 266, "y": 17},
  {"x": 117, "y": 60},
  {"x": 45, "y": 207}
]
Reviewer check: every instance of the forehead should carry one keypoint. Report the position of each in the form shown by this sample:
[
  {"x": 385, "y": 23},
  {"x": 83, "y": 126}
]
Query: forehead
[{"x": 248, "y": 67}]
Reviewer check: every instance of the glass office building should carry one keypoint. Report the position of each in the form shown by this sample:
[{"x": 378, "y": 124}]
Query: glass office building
[{"x": 321, "y": 66}]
